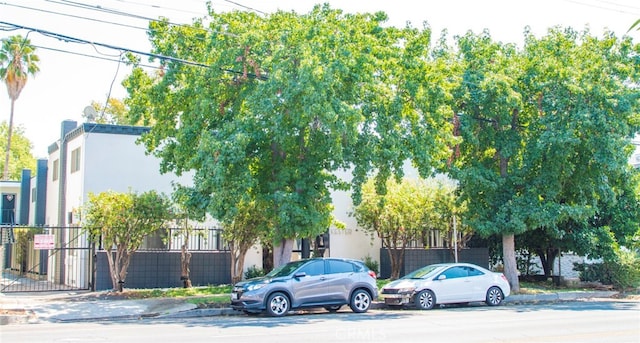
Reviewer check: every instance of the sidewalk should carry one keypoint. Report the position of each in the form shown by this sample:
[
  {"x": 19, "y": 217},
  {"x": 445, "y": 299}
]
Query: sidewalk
[{"x": 20, "y": 308}]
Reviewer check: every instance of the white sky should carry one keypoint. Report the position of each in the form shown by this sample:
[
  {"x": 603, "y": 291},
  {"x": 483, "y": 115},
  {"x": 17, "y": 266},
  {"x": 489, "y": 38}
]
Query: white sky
[{"x": 67, "y": 83}]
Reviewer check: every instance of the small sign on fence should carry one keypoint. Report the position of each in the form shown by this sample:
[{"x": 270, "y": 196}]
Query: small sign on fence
[{"x": 43, "y": 242}]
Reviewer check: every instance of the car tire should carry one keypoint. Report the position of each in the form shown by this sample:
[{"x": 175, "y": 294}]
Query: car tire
[
  {"x": 425, "y": 300},
  {"x": 278, "y": 304},
  {"x": 360, "y": 301},
  {"x": 494, "y": 296},
  {"x": 333, "y": 308}
]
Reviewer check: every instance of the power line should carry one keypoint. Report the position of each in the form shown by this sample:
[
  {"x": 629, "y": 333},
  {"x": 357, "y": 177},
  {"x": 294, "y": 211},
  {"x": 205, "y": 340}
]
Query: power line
[
  {"x": 106, "y": 10},
  {"x": 112, "y": 11},
  {"x": 90, "y": 56},
  {"x": 158, "y": 7},
  {"x": 75, "y": 16},
  {"x": 608, "y": 8},
  {"x": 245, "y": 7},
  {"x": 70, "y": 39}
]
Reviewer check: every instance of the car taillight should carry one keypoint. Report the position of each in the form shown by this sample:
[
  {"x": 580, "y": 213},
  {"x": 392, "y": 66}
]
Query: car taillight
[
  {"x": 504, "y": 277},
  {"x": 372, "y": 274}
]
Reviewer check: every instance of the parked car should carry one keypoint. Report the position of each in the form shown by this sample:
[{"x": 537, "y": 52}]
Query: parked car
[
  {"x": 447, "y": 283},
  {"x": 316, "y": 282}
]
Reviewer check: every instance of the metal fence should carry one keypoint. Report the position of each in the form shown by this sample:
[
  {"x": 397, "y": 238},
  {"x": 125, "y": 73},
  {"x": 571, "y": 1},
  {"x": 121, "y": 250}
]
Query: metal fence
[
  {"x": 45, "y": 259},
  {"x": 63, "y": 258}
]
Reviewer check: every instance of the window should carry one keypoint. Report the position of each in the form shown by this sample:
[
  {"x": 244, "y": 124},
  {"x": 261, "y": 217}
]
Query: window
[
  {"x": 56, "y": 170},
  {"x": 313, "y": 268},
  {"x": 474, "y": 272},
  {"x": 75, "y": 160},
  {"x": 340, "y": 267},
  {"x": 456, "y": 272}
]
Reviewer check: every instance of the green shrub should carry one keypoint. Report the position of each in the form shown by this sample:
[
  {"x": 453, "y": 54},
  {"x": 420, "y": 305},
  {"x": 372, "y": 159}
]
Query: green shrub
[
  {"x": 623, "y": 272},
  {"x": 371, "y": 264},
  {"x": 253, "y": 272}
]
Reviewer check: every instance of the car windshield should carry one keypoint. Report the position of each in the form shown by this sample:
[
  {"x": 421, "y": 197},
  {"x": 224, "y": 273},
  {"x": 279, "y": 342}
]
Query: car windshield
[
  {"x": 421, "y": 273},
  {"x": 286, "y": 269}
]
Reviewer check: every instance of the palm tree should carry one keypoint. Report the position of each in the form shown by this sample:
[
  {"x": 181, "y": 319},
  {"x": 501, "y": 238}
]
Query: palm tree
[{"x": 17, "y": 62}]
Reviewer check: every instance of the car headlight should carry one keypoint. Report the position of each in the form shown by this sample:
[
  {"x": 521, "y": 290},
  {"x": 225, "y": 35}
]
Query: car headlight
[
  {"x": 255, "y": 286},
  {"x": 406, "y": 290}
]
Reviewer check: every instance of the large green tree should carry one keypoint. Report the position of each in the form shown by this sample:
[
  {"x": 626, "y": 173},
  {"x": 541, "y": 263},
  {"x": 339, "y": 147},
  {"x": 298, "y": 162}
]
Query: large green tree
[
  {"x": 17, "y": 62},
  {"x": 120, "y": 222},
  {"x": 283, "y": 102},
  {"x": 545, "y": 131},
  {"x": 20, "y": 151}
]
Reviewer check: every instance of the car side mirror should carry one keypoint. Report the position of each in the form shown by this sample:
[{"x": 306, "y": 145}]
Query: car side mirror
[
  {"x": 442, "y": 277},
  {"x": 299, "y": 275}
]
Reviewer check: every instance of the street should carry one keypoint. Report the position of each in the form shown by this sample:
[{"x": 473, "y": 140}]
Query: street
[{"x": 580, "y": 321}]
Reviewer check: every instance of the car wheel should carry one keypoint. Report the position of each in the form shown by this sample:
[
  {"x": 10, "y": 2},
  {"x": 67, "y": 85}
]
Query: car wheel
[
  {"x": 360, "y": 301},
  {"x": 333, "y": 308},
  {"x": 277, "y": 304},
  {"x": 425, "y": 300},
  {"x": 494, "y": 296}
]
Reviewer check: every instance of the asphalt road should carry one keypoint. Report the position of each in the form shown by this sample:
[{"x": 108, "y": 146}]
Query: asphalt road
[{"x": 580, "y": 321}]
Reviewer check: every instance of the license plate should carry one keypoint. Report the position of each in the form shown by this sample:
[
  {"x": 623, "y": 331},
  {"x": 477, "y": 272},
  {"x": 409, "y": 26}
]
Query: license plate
[{"x": 234, "y": 296}]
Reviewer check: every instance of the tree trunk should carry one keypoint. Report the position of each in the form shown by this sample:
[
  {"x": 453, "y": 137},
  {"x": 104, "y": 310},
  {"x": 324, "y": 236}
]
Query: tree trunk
[
  {"x": 240, "y": 262},
  {"x": 185, "y": 262},
  {"x": 112, "y": 270},
  {"x": 267, "y": 257},
  {"x": 282, "y": 252},
  {"x": 238, "y": 254},
  {"x": 509, "y": 260},
  {"x": 123, "y": 265},
  {"x": 5, "y": 174},
  {"x": 396, "y": 256},
  {"x": 547, "y": 257}
]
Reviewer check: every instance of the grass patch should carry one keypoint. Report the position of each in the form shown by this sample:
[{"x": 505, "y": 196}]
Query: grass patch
[
  {"x": 382, "y": 282},
  {"x": 215, "y": 290}
]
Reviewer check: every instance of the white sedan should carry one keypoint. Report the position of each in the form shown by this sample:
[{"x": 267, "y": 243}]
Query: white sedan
[{"x": 447, "y": 283}]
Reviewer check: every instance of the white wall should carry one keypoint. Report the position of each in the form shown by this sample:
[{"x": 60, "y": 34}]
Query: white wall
[
  {"x": 53, "y": 190},
  {"x": 117, "y": 163},
  {"x": 352, "y": 241}
]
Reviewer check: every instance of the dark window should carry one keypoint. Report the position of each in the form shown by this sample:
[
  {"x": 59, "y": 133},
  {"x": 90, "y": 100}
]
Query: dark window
[
  {"x": 313, "y": 268},
  {"x": 75, "y": 160},
  {"x": 340, "y": 267},
  {"x": 56, "y": 170},
  {"x": 456, "y": 272},
  {"x": 474, "y": 272}
]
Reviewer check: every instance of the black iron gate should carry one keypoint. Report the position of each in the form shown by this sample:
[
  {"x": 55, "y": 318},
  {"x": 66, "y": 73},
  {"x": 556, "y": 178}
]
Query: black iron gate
[{"x": 39, "y": 259}]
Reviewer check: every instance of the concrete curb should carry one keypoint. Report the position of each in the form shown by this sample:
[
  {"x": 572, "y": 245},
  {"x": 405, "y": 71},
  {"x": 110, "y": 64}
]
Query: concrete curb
[
  {"x": 96, "y": 311},
  {"x": 560, "y": 296}
]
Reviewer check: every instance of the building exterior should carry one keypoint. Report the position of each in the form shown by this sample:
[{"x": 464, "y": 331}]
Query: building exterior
[{"x": 93, "y": 158}]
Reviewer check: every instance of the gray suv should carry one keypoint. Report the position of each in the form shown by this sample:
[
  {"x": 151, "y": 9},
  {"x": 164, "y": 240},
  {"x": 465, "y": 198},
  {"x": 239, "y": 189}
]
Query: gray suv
[{"x": 316, "y": 282}]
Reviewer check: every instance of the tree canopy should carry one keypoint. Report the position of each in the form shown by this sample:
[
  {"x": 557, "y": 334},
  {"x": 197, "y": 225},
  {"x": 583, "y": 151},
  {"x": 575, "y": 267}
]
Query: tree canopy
[
  {"x": 407, "y": 213},
  {"x": 21, "y": 155},
  {"x": 545, "y": 131},
  {"x": 287, "y": 100},
  {"x": 120, "y": 222},
  {"x": 18, "y": 61},
  {"x": 266, "y": 109}
]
